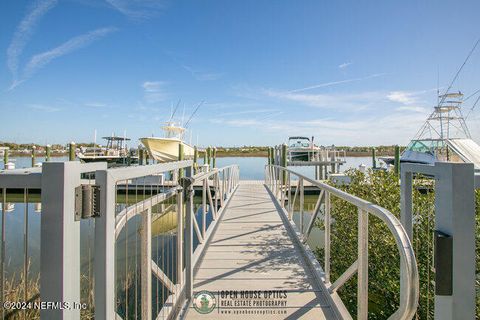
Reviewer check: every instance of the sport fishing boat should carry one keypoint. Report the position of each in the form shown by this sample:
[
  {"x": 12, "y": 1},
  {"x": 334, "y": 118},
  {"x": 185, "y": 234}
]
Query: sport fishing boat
[
  {"x": 301, "y": 148},
  {"x": 165, "y": 149},
  {"x": 443, "y": 137},
  {"x": 114, "y": 153}
]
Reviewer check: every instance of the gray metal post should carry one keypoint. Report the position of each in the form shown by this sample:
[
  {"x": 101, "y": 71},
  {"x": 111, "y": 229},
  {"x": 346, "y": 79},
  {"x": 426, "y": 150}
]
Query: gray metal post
[
  {"x": 146, "y": 264},
  {"x": 455, "y": 220},
  {"x": 455, "y": 216},
  {"x": 104, "y": 258},
  {"x": 362, "y": 286},
  {"x": 406, "y": 202},
  {"x": 302, "y": 202},
  {"x": 180, "y": 237},
  {"x": 406, "y": 216},
  {"x": 189, "y": 243},
  {"x": 60, "y": 234}
]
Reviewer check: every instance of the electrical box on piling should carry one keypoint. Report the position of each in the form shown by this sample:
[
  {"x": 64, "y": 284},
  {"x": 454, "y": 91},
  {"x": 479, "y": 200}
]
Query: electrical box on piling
[{"x": 87, "y": 202}]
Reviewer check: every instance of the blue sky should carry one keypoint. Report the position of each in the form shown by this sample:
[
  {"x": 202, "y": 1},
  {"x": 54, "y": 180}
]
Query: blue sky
[{"x": 347, "y": 72}]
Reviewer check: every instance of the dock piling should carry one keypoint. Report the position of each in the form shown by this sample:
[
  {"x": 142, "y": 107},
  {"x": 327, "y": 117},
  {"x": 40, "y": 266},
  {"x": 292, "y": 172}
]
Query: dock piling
[
  {"x": 209, "y": 156},
  {"x": 140, "y": 157},
  {"x": 374, "y": 160},
  {"x": 5, "y": 158},
  {"x": 181, "y": 156},
  {"x": 397, "y": 159},
  {"x": 214, "y": 156},
  {"x": 333, "y": 158},
  {"x": 195, "y": 159},
  {"x": 47, "y": 152},
  {"x": 33, "y": 156},
  {"x": 71, "y": 151}
]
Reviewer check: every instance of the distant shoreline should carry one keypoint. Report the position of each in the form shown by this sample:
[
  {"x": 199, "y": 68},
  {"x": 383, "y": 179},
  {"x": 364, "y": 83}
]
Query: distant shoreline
[
  {"x": 265, "y": 154},
  {"x": 258, "y": 154}
]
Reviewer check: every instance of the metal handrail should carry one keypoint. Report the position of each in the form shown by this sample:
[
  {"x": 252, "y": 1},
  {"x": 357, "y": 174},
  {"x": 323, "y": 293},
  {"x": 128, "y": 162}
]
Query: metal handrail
[
  {"x": 278, "y": 179},
  {"x": 229, "y": 182},
  {"x": 109, "y": 225}
]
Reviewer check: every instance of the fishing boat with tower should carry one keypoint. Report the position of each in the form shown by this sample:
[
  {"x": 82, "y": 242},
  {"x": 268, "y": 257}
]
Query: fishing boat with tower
[{"x": 444, "y": 136}]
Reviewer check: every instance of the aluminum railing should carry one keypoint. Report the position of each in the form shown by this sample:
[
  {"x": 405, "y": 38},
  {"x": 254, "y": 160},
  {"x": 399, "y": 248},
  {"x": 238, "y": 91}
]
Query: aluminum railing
[
  {"x": 41, "y": 242},
  {"x": 279, "y": 181},
  {"x": 127, "y": 260},
  {"x": 173, "y": 277}
]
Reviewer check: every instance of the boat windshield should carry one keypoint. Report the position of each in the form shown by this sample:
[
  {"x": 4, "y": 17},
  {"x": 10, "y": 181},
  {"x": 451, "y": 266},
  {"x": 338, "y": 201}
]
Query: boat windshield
[
  {"x": 299, "y": 142},
  {"x": 426, "y": 146},
  {"x": 173, "y": 131}
]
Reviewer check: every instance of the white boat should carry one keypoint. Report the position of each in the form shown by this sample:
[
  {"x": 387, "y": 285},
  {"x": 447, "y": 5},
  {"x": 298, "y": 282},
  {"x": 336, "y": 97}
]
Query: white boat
[
  {"x": 301, "y": 149},
  {"x": 165, "y": 149},
  {"x": 115, "y": 153},
  {"x": 443, "y": 137}
]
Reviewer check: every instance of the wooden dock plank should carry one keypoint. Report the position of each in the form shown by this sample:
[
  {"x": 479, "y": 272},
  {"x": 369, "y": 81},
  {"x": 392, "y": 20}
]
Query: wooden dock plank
[{"x": 252, "y": 250}]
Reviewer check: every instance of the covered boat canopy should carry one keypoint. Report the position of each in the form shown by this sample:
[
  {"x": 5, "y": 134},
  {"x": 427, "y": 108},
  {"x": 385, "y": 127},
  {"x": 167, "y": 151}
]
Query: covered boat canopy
[{"x": 467, "y": 149}]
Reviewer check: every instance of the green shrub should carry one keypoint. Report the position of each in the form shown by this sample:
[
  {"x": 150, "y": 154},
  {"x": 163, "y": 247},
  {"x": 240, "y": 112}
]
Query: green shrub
[{"x": 383, "y": 188}]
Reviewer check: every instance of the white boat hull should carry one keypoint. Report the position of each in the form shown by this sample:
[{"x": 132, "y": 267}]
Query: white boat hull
[{"x": 166, "y": 149}]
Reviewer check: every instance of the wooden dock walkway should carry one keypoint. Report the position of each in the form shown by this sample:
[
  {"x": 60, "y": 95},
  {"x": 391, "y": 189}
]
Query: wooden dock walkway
[{"x": 252, "y": 249}]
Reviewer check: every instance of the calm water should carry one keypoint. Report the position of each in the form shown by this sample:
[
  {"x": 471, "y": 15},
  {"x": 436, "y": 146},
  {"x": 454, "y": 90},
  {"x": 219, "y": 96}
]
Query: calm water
[
  {"x": 251, "y": 168},
  {"x": 163, "y": 246}
]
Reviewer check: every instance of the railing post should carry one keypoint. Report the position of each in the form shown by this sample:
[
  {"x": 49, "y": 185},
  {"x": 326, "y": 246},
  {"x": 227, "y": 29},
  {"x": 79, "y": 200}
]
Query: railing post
[
  {"x": 146, "y": 264},
  {"x": 455, "y": 219},
  {"x": 302, "y": 200},
  {"x": 362, "y": 285},
  {"x": 60, "y": 234},
  {"x": 204, "y": 208},
  {"x": 289, "y": 191},
  {"x": 189, "y": 242},
  {"x": 180, "y": 211},
  {"x": 104, "y": 256},
  {"x": 327, "y": 236}
]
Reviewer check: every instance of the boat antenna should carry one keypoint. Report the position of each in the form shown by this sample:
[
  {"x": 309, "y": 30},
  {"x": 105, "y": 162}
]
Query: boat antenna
[
  {"x": 459, "y": 70},
  {"x": 194, "y": 112},
  {"x": 175, "y": 110},
  {"x": 183, "y": 114},
  {"x": 473, "y": 107},
  {"x": 438, "y": 84}
]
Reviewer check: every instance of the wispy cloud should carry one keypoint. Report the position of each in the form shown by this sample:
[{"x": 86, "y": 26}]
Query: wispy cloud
[
  {"x": 338, "y": 101},
  {"x": 404, "y": 97},
  {"x": 24, "y": 31},
  {"x": 391, "y": 128},
  {"x": 43, "y": 108},
  {"x": 333, "y": 83},
  {"x": 413, "y": 109},
  {"x": 95, "y": 104},
  {"x": 138, "y": 9},
  {"x": 256, "y": 111},
  {"x": 202, "y": 75},
  {"x": 40, "y": 60},
  {"x": 154, "y": 91},
  {"x": 345, "y": 65},
  {"x": 409, "y": 97}
]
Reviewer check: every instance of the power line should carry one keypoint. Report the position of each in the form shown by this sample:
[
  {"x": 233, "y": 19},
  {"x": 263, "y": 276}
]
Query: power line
[
  {"x": 193, "y": 113},
  {"x": 459, "y": 70}
]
